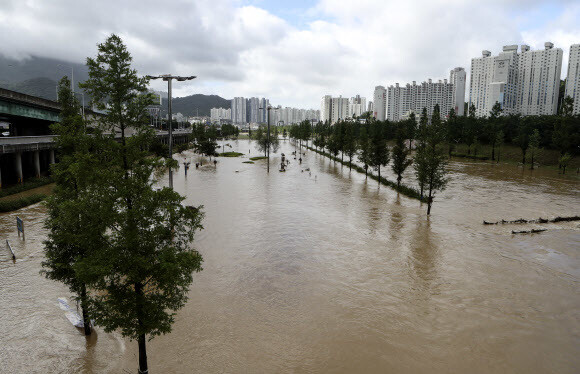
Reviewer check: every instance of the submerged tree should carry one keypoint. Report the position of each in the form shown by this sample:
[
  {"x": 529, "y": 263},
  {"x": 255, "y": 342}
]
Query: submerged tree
[
  {"x": 75, "y": 220},
  {"x": 400, "y": 155},
  {"x": 143, "y": 271}
]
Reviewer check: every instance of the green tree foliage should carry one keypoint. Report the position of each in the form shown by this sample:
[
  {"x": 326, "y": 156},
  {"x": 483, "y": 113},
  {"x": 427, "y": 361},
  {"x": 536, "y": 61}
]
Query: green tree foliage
[
  {"x": 349, "y": 141},
  {"x": 534, "y": 145},
  {"x": 411, "y": 128},
  {"x": 494, "y": 126},
  {"x": 400, "y": 154},
  {"x": 378, "y": 151},
  {"x": 75, "y": 212},
  {"x": 141, "y": 274},
  {"x": 364, "y": 148}
]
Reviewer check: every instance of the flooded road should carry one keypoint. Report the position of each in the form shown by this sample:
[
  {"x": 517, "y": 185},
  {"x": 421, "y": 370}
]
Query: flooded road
[{"x": 321, "y": 271}]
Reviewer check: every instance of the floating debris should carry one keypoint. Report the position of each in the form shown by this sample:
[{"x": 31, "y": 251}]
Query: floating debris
[
  {"x": 532, "y": 231},
  {"x": 539, "y": 220}
]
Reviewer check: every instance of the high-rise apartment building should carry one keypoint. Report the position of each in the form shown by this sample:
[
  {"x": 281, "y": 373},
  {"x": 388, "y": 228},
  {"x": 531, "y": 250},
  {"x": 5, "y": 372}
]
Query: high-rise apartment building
[
  {"x": 539, "y": 80},
  {"x": 380, "y": 103},
  {"x": 401, "y": 101},
  {"x": 573, "y": 77},
  {"x": 357, "y": 106},
  {"x": 339, "y": 109},
  {"x": 526, "y": 83},
  {"x": 457, "y": 79},
  {"x": 239, "y": 111},
  {"x": 218, "y": 114},
  {"x": 326, "y": 108}
]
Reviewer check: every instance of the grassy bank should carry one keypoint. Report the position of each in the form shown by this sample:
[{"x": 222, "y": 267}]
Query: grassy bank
[
  {"x": 405, "y": 190},
  {"x": 11, "y": 204},
  {"x": 28, "y": 185},
  {"x": 258, "y": 158},
  {"x": 512, "y": 154}
]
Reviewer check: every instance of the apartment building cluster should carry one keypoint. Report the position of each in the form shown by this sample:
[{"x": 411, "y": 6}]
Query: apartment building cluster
[
  {"x": 253, "y": 111},
  {"x": 523, "y": 82},
  {"x": 334, "y": 109}
]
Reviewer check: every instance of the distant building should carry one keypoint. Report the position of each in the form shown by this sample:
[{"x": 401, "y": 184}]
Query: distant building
[
  {"x": 380, "y": 103},
  {"x": 217, "y": 115},
  {"x": 457, "y": 78},
  {"x": 539, "y": 80},
  {"x": 239, "y": 111},
  {"x": 526, "y": 83},
  {"x": 356, "y": 106},
  {"x": 402, "y": 100},
  {"x": 573, "y": 77},
  {"x": 339, "y": 109},
  {"x": 326, "y": 108}
]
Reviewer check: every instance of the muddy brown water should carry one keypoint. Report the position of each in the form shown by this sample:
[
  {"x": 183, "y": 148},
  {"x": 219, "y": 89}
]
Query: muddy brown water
[{"x": 322, "y": 271}]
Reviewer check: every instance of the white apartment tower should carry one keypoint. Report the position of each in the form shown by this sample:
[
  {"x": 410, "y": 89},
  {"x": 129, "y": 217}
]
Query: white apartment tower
[
  {"x": 414, "y": 97},
  {"x": 457, "y": 79},
  {"x": 339, "y": 109},
  {"x": 539, "y": 80},
  {"x": 380, "y": 103},
  {"x": 239, "y": 111},
  {"x": 573, "y": 77},
  {"x": 326, "y": 108},
  {"x": 526, "y": 83},
  {"x": 494, "y": 79}
]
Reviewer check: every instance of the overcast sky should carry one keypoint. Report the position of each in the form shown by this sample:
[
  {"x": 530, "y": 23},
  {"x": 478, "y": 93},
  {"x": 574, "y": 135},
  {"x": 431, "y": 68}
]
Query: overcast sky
[{"x": 293, "y": 51}]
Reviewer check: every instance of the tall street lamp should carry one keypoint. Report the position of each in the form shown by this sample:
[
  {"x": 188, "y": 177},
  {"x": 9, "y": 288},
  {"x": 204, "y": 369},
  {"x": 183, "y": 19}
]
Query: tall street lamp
[
  {"x": 268, "y": 121},
  {"x": 168, "y": 78}
]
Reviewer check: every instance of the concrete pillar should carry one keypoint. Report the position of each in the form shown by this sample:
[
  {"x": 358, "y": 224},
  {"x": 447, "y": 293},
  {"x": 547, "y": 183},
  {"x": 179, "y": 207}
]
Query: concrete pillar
[
  {"x": 18, "y": 166},
  {"x": 36, "y": 159},
  {"x": 51, "y": 156}
]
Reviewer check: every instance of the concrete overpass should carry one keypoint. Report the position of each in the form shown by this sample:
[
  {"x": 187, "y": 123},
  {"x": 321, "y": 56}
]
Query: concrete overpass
[{"x": 29, "y": 150}]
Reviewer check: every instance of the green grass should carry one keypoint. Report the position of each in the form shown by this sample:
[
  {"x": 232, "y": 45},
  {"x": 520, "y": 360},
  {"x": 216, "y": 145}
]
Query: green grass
[
  {"x": 473, "y": 157},
  {"x": 27, "y": 185},
  {"x": 405, "y": 190},
  {"x": 231, "y": 154},
  {"x": 248, "y": 162},
  {"x": 258, "y": 158},
  {"x": 15, "y": 204}
]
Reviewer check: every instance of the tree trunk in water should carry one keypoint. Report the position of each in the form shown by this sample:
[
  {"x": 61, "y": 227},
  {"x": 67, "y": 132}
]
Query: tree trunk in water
[
  {"x": 429, "y": 201},
  {"x": 469, "y": 149},
  {"x": 143, "y": 369},
  {"x": 86, "y": 321},
  {"x": 532, "y": 164},
  {"x": 410, "y": 143},
  {"x": 350, "y": 164},
  {"x": 493, "y": 152},
  {"x": 524, "y": 157},
  {"x": 379, "y": 175},
  {"x": 421, "y": 187},
  {"x": 142, "y": 355}
]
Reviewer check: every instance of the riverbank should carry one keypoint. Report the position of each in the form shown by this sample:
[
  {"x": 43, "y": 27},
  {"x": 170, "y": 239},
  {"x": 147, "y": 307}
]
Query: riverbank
[
  {"x": 510, "y": 154},
  {"x": 20, "y": 196}
]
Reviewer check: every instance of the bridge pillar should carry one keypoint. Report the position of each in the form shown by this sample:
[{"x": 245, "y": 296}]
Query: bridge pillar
[
  {"x": 51, "y": 156},
  {"x": 36, "y": 160},
  {"x": 18, "y": 166}
]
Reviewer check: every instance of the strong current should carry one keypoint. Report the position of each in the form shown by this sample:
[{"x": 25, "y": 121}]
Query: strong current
[{"x": 322, "y": 271}]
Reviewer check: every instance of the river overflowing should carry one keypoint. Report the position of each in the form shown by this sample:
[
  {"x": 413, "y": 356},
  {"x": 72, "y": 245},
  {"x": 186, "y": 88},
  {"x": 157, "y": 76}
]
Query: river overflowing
[{"x": 322, "y": 271}]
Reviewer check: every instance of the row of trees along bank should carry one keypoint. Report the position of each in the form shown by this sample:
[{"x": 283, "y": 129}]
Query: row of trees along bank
[
  {"x": 121, "y": 245},
  {"x": 368, "y": 143}
]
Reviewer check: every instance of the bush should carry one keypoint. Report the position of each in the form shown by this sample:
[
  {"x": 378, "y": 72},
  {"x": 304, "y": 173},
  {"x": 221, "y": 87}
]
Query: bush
[
  {"x": 248, "y": 162},
  {"x": 10, "y": 205},
  {"x": 231, "y": 154},
  {"x": 258, "y": 158}
]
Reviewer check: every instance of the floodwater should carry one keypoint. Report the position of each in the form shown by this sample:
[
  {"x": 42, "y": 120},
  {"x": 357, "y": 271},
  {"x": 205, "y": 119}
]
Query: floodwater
[{"x": 322, "y": 271}]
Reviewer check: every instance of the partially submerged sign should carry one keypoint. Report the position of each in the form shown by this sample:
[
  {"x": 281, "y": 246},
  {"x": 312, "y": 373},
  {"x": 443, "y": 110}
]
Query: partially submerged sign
[{"x": 20, "y": 227}]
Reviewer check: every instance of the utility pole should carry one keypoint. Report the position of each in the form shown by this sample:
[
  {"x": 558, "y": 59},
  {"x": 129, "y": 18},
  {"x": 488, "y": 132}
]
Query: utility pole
[{"x": 168, "y": 78}]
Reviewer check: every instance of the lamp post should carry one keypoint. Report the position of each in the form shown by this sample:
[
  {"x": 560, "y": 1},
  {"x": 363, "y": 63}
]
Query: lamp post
[
  {"x": 268, "y": 146},
  {"x": 168, "y": 78}
]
